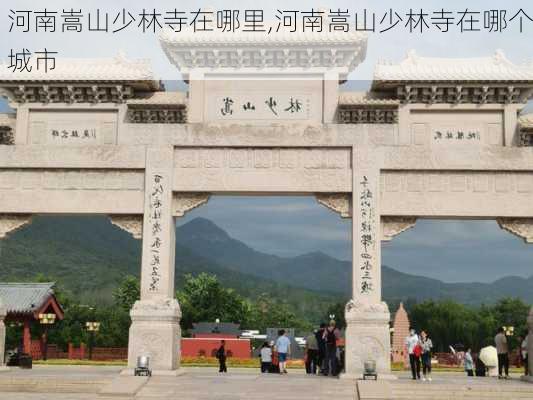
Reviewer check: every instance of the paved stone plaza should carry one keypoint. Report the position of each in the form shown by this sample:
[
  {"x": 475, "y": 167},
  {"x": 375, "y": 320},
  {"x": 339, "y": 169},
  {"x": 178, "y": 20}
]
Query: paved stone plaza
[{"x": 78, "y": 382}]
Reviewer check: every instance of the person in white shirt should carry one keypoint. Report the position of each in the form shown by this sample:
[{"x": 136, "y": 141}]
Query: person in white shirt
[
  {"x": 413, "y": 343},
  {"x": 283, "y": 347},
  {"x": 523, "y": 353},
  {"x": 266, "y": 358}
]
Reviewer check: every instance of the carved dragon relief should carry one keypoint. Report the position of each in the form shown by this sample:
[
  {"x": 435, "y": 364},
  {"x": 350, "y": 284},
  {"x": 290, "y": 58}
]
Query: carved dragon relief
[
  {"x": 521, "y": 227},
  {"x": 11, "y": 222}
]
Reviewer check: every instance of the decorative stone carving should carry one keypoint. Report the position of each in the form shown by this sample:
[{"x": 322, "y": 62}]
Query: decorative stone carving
[
  {"x": 185, "y": 202},
  {"x": 355, "y": 309},
  {"x": 190, "y": 50},
  {"x": 158, "y": 115},
  {"x": 393, "y": 226},
  {"x": 521, "y": 227},
  {"x": 7, "y": 128},
  {"x": 526, "y": 130},
  {"x": 338, "y": 202},
  {"x": 64, "y": 93},
  {"x": 368, "y": 115},
  {"x": 155, "y": 332},
  {"x": 474, "y": 94},
  {"x": 130, "y": 223},
  {"x": 6, "y": 135},
  {"x": 12, "y": 222},
  {"x": 367, "y": 337}
]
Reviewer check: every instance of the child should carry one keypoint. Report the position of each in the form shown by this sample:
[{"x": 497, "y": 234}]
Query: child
[{"x": 266, "y": 358}]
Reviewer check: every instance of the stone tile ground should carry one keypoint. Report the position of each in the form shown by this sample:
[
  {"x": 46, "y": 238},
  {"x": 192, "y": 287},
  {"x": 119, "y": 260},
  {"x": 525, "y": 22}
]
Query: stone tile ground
[{"x": 84, "y": 383}]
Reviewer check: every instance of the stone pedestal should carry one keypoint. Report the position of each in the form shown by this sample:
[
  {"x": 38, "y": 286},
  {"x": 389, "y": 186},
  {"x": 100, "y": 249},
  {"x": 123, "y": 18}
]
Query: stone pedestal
[
  {"x": 155, "y": 332},
  {"x": 367, "y": 338}
]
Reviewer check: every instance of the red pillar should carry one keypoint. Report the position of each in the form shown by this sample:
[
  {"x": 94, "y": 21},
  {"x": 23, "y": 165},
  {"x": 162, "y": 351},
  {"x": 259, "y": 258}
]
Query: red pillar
[
  {"x": 82, "y": 351},
  {"x": 26, "y": 336}
]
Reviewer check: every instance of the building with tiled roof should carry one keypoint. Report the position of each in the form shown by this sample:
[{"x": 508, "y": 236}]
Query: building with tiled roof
[{"x": 25, "y": 302}]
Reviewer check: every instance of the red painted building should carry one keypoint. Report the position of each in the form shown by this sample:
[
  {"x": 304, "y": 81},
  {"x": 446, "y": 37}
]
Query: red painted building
[
  {"x": 206, "y": 338},
  {"x": 24, "y": 303}
]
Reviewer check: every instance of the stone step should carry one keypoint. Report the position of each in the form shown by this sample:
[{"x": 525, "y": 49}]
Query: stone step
[
  {"x": 50, "y": 385},
  {"x": 455, "y": 392}
]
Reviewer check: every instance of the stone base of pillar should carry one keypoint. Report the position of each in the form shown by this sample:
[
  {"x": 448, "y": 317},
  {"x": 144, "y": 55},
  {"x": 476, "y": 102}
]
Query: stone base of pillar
[
  {"x": 367, "y": 338},
  {"x": 527, "y": 378},
  {"x": 155, "y": 332}
]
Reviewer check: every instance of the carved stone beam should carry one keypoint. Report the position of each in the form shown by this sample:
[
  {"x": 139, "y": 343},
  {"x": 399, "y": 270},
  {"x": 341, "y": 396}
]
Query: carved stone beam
[
  {"x": 185, "y": 202},
  {"x": 11, "y": 222},
  {"x": 521, "y": 227},
  {"x": 338, "y": 202},
  {"x": 393, "y": 226},
  {"x": 130, "y": 223}
]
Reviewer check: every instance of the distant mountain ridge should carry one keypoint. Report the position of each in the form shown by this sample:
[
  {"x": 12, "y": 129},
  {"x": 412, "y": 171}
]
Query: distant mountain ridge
[
  {"x": 89, "y": 256},
  {"x": 321, "y": 272}
]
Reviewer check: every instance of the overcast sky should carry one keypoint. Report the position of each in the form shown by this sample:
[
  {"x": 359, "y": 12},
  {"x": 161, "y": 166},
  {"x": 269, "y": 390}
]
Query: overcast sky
[{"x": 448, "y": 250}]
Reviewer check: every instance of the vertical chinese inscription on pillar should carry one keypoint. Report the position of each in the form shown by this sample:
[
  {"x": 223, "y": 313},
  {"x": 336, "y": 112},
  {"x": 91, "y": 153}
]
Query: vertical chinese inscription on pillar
[
  {"x": 156, "y": 206},
  {"x": 367, "y": 237}
]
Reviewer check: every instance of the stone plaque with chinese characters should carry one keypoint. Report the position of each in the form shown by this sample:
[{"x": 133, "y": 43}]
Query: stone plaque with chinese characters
[
  {"x": 254, "y": 106},
  {"x": 77, "y": 128}
]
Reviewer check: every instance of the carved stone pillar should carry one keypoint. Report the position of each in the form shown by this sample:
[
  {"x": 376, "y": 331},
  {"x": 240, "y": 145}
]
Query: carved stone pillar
[
  {"x": 11, "y": 222},
  {"x": 130, "y": 223},
  {"x": 155, "y": 330},
  {"x": 367, "y": 317},
  {"x": 521, "y": 227}
]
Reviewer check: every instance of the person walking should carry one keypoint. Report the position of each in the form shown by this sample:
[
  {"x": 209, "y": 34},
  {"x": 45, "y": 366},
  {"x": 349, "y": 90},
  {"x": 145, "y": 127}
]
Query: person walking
[
  {"x": 427, "y": 346},
  {"x": 414, "y": 350},
  {"x": 503, "y": 353},
  {"x": 321, "y": 348},
  {"x": 311, "y": 352},
  {"x": 221, "y": 356},
  {"x": 331, "y": 335},
  {"x": 469, "y": 363},
  {"x": 283, "y": 348},
  {"x": 524, "y": 355},
  {"x": 266, "y": 358}
]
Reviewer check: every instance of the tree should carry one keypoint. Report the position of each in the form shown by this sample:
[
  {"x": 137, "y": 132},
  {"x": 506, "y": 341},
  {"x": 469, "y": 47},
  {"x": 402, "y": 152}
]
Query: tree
[
  {"x": 269, "y": 313},
  {"x": 127, "y": 293},
  {"x": 204, "y": 299}
]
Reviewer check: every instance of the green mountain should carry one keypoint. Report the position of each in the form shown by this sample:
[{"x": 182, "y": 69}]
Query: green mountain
[
  {"x": 89, "y": 256},
  {"x": 320, "y": 272}
]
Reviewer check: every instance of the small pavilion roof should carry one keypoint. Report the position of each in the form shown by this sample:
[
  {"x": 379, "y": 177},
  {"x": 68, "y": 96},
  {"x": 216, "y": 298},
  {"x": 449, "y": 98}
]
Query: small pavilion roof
[
  {"x": 29, "y": 298},
  {"x": 476, "y": 69},
  {"x": 82, "y": 70}
]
